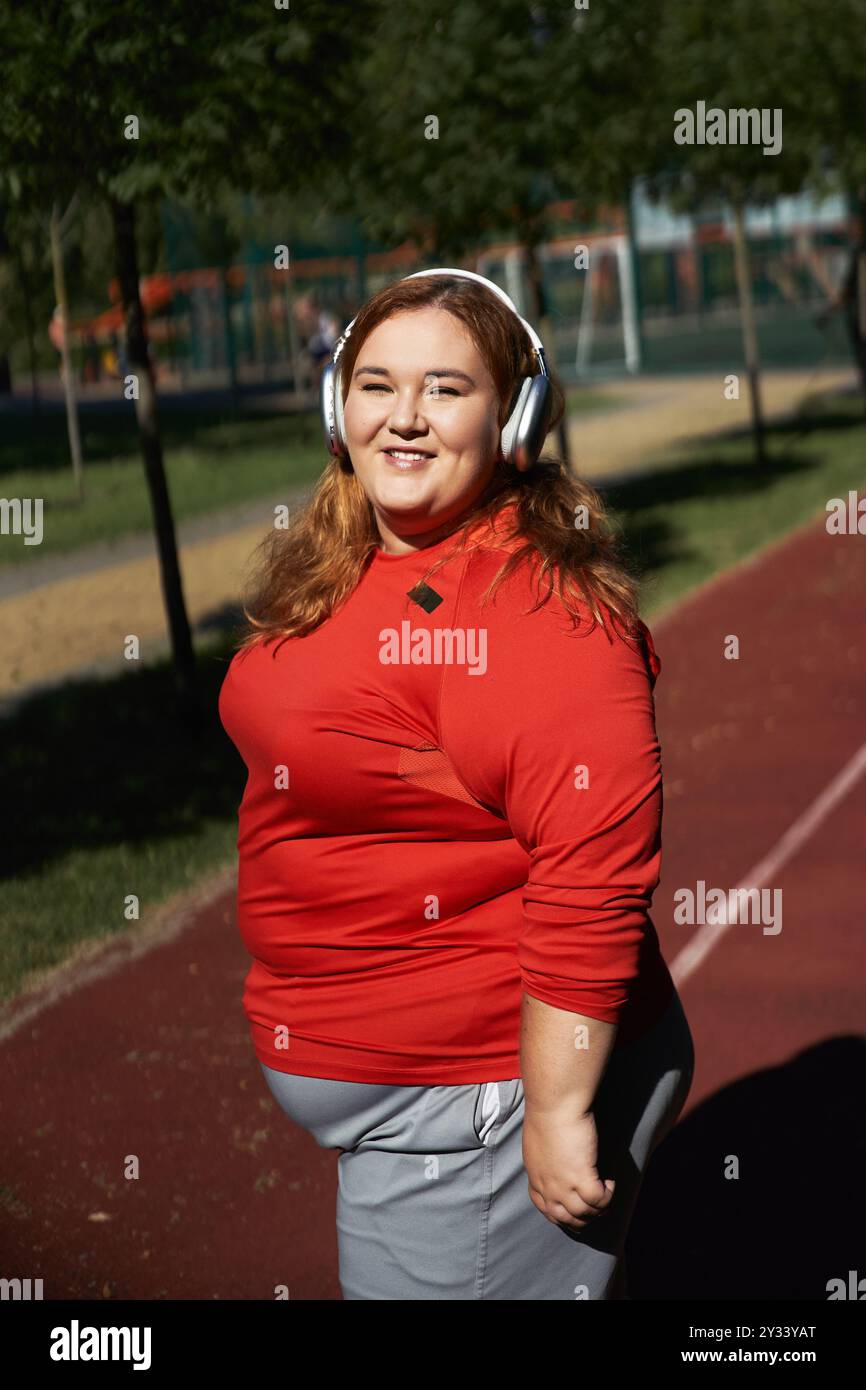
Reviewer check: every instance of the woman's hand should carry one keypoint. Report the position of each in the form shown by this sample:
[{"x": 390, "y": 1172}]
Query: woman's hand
[{"x": 560, "y": 1154}]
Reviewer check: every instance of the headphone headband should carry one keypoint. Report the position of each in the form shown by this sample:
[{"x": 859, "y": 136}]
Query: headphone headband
[{"x": 480, "y": 279}]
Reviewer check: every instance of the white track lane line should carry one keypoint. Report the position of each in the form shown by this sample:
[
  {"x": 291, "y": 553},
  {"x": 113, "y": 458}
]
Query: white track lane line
[{"x": 691, "y": 956}]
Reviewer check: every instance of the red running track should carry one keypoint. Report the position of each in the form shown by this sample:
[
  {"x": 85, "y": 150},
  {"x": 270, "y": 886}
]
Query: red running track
[{"x": 757, "y": 1193}]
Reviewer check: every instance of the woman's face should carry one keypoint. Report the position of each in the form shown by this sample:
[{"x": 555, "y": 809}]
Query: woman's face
[{"x": 420, "y": 386}]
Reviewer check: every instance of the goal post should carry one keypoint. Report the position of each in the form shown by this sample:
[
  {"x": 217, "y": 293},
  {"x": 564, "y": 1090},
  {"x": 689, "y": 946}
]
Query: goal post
[{"x": 608, "y": 254}]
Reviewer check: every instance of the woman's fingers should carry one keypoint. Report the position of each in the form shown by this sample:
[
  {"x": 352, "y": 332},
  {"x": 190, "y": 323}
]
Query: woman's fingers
[{"x": 577, "y": 1207}]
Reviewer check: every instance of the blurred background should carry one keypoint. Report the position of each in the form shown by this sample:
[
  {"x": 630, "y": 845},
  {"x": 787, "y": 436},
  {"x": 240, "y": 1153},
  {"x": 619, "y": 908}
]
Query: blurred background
[{"x": 194, "y": 201}]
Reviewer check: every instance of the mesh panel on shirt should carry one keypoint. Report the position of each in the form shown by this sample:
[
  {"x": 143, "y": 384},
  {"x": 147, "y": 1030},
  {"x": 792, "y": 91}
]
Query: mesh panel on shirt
[{"x": 427, "y": 766}]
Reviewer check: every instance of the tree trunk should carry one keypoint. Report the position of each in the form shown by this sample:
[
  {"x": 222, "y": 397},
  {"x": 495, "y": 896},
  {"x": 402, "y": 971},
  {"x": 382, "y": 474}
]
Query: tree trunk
[
  {"x": 65, "y": 356},
  {"x": 544, "y": 329},
  {"x": 855, "y": 288},
  {"x": 138, "y": 356},
  {"x": 27, "y": 295},
  {"x": 750, "y": 336},
  {"x": 859, "y": 319},
  {"x": 630, "y": 288}
]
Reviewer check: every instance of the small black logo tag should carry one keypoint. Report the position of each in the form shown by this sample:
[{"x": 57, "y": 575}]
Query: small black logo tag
[{"x": 425, "y": 597}]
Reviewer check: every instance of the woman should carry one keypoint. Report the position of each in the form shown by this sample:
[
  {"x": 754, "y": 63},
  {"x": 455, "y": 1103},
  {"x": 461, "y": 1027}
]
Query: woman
[{"x": 450, "y": 833}]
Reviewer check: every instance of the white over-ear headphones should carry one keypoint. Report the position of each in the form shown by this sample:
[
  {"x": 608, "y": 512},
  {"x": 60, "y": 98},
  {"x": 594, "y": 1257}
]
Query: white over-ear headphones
[{"x": 523, "y": 433}]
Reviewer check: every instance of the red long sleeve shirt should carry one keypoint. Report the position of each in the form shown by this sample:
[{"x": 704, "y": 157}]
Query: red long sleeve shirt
[{"x": 443, "y": 809}]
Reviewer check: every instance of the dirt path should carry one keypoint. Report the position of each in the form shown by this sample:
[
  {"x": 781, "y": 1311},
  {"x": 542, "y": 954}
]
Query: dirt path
[
  {"x": 666, "y": 412},
  {"x": 146, "y": 1052}
]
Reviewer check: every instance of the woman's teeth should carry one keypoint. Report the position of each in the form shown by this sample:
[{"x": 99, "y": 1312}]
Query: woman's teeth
[{"x": 404, "y": 458}]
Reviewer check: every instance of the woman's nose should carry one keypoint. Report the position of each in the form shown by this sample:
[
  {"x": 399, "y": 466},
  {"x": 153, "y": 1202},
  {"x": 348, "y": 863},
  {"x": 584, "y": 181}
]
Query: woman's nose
[{"x": 405, "y": 413}]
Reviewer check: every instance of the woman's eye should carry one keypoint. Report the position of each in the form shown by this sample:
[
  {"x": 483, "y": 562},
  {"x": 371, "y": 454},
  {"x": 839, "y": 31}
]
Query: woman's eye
[{"x": 435, "y": 390}]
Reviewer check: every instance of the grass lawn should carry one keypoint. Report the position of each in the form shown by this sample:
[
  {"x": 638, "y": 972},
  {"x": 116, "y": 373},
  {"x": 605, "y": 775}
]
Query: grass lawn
[
  {"x": 112, "y": 799},
  {"x": 213, "y": 460},
  {"x": 690, "y": 521}
]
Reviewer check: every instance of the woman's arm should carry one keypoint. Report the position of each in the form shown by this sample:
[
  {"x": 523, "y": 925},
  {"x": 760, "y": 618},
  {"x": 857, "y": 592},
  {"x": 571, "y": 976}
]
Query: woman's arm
[
  {"x": 560, "y": 733},
  {"x": 562, "y": 1059}
]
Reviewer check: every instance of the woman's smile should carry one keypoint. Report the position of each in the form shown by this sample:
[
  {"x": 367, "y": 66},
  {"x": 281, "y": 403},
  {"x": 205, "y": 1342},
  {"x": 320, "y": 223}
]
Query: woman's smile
[{"x": 407, "y": 460}]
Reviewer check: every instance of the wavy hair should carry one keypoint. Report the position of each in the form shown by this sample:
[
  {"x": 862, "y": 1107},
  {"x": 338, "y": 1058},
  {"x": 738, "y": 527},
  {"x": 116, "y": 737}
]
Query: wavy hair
[{"x": 306, "y": 571}]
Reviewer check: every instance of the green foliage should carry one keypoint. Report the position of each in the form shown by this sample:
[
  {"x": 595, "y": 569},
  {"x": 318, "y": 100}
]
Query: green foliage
[
  {"x": 793, "y": 55},
  {"x": 220, "y": 93},
  {"x": 534, "y": 102},
  {"x": 323, "y": 107},
  {"x": 226, "y": 97}
]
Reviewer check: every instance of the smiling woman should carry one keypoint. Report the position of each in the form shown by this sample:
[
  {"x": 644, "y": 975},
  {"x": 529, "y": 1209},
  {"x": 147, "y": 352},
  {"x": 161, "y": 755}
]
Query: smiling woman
[
  {"x": 450, "y": 833},
  {"x": 423, "y": 439},
  {"x": 305, "y": 572}
]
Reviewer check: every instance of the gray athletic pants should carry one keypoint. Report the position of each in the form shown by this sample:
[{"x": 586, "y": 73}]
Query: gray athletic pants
[{"x": 433, "y": 1198}]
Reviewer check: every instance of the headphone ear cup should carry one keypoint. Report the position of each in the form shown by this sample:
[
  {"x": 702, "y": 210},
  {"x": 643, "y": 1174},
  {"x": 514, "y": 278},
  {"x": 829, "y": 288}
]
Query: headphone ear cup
[
  {"x": 326, "y": 407},
  {"x": 509, "y": 429},
  {"x": 331, "y": 407},
  {"x": 338, "y": 411},
  {"x": 532, "y": 424}
]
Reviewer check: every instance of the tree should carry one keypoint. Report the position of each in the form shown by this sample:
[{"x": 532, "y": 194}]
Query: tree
[
  {"x": 456, "y": 113},
  {"x": 60, "y": 222},
  {"x": 478, "y": 120},
  {"x": 182, "y": 97},
  {"x": 26, "y": 299},
  {"x": 755, "y": 68},
  {"x": 825, "y": 68}
]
